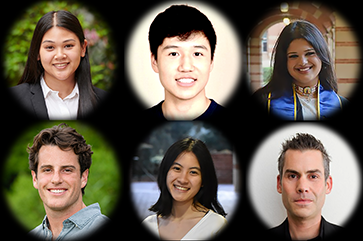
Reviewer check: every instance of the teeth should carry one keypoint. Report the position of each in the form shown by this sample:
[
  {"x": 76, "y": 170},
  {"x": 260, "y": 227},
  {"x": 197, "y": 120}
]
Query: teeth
[
  {"x": 186, "y": 81},
  {"x": 306, "y": 69},
  {"x": 57, "y": 190},
  {"x": 60, "y": 65},
  {"x": 182, "y": 188}
]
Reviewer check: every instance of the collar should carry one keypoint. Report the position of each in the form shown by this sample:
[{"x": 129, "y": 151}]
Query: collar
[
  {"x": 81, "y": 218},
  {"x": 319, "y": 237},
  {"x": 287, "y": 106},
  {"x": 48, "y": 91}
]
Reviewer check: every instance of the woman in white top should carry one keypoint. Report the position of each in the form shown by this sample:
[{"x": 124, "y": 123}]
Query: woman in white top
[{"x": 187, "y": 207}]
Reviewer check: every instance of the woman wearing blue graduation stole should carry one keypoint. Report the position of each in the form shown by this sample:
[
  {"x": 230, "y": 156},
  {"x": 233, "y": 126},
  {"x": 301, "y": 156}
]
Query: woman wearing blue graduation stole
[{"x": 303, "y": 85}]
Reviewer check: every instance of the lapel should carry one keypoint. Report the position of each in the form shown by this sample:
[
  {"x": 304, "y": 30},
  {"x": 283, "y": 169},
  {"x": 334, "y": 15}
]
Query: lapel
[{"x": 38, "y": 102}]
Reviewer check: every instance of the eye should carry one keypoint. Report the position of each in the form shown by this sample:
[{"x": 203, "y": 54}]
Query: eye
[
  {"x": 49, "y": 47},
  {"x": 198, "y": 54},
  {"x": 292, "y": 176},
  {"x": 176, "y": 168},
  {"x": 311, "y": 53},
  {"x": 194, "y": 172},
  {"x": 313, "y": 176},
  {"x": 68, "y": 46},
  {"x": 173, "y": 54},
  {"x": 67, "y": 170},
  {"x": 293, "y": 56}
]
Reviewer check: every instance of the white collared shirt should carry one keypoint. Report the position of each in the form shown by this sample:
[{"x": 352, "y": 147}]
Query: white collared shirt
[{"x": 58, "y": 108}]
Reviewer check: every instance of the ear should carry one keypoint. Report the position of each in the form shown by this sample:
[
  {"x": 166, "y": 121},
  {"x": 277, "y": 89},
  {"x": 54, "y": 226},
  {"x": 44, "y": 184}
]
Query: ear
[
  {"x": 279, "y": 188},
  {"x": 154, "y": 63},
  {"x": 35, "y": 180},
  {"x": 211, "y": 66},
  {"x": 84, "y": 48},
  {"x": 84, "y": 178},
  {"x": 329, "y": 185}
]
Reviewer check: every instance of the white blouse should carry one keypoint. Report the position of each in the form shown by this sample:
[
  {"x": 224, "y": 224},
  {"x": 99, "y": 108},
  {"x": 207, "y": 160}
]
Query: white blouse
[
  {"x": 207, "y": 228},
  {"x": 58, "y": 108}
]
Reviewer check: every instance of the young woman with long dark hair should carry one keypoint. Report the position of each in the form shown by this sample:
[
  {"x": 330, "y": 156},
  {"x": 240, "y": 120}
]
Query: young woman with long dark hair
[
  {"x": 56, "y": 83},
  {"x": 303, "y": 85},
  {"x": 187, "y": 207}
]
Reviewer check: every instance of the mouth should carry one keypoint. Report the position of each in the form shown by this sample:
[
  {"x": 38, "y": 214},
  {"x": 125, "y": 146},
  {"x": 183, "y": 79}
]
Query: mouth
[
  {"x": 304, "y": 69},
  {"x": 61, "y": 65},
  {"x": 181, "y": 188},
  {"x": 186, "y": 81},
  {"x": 57, "y": 191},
  {"x": 303, "y": 201}
]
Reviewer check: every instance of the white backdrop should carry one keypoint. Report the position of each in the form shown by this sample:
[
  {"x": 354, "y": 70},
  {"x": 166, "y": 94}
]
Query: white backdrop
[
  {"x": 227, "y": 58},
  {"x": 344, "y": 169}
]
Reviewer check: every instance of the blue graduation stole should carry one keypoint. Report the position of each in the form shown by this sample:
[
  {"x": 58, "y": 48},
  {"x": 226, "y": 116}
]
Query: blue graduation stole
[{"x": 286, "y": 106}]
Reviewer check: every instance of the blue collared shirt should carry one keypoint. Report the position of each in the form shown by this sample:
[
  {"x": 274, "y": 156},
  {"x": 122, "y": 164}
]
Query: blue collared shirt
[{"x": 78, "y": 226}]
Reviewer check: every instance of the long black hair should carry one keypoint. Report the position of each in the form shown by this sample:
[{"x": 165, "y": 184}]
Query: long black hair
[
  {"x": 207, "y": 195},
  {"x": 280, "y": 79},
  {"x": 34, "y": 69}
]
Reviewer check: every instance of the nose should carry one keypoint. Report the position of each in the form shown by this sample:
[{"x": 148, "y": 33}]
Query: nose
[
  {"x": 59, "y": 54},
  {"x": 57, "y": 178},
  {"x": 302, "y": 186},
  {"x": 183, "y": 178},
  {"x": 303, "y": 60},
  {"x": 186, "y": 64}
]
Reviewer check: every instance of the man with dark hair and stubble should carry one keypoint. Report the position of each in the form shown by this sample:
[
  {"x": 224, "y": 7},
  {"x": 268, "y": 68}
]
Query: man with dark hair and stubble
[
  {"x": 59, "y": 161},
  {"x": 303, "y": 182}
]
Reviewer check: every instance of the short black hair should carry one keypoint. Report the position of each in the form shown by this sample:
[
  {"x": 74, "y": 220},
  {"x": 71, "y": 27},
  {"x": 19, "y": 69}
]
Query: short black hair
[{"x": 180, "y": 21}]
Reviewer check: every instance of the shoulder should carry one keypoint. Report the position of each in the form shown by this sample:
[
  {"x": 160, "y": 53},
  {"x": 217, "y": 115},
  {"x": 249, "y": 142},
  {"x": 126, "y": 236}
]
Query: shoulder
[
  {"x": 331, "y": 229},
  {"x": 151, "y": 224},
  {"x": 20, "y": 90},
  {"x": 280, "y": 231},
  {"x": 37, "y": 230},
  {"x": 154, "y": 113},
  {"x": 215, "y": 220},
  {"x": 150, "y": 220},
  {"x": 101, "y": 94},
  {"x": 344, "y": 101},
  {"x": 214, "y": 111}
]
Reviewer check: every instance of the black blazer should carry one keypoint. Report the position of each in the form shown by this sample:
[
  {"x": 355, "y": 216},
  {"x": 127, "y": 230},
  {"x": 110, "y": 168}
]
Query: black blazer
[
  {"x": 30, "y": 97},
  {"x": 328, "y": 231}
]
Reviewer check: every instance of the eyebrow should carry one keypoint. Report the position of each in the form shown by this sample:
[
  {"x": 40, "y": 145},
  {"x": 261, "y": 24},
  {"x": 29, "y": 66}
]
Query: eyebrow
[
  {"x": 176, "y": 47},
  {"x": 307, "y": 50},
  {"x": 296, "y": 172},
  {"x": 176, "y": 163},
  {"x": 51, "y": 41},
  {"x": 50, "y": 166}
]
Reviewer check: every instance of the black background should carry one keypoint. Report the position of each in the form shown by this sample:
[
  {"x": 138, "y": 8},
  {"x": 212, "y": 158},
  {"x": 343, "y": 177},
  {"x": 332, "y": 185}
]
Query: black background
[{"x": 119, "y": 117}]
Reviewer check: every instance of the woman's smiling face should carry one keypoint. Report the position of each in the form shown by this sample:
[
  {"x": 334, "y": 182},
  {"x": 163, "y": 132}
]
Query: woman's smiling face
[
  {"x": 184, "y": 178},
  {"x": 60, "y": 54},
  {"x": 303, "y": 63}
]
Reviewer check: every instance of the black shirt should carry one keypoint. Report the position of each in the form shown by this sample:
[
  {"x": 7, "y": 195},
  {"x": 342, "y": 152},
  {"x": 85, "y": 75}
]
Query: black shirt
[
  {"x": 327, "y": 231},
  {"x": 214, "y": 111}
]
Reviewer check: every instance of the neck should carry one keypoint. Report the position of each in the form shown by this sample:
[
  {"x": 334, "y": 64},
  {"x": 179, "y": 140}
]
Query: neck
[
  {"x": 302, "y": 229},
  {"x": 311, "y": 83},
  {"x": 184, "y": 210},
  {"x": 56, "y": 217},
  {"x": 177, "y": 109},
  {"x": 65, "y": 87}
]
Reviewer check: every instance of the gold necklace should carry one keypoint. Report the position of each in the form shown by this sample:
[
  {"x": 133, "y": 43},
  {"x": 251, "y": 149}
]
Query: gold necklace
[{"x": 307, "y": 91}]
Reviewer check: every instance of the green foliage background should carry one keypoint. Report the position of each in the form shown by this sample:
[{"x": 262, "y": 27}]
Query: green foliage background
[
  {"x": 104, "y": 182},
  {"x": 101, "y": 47}
]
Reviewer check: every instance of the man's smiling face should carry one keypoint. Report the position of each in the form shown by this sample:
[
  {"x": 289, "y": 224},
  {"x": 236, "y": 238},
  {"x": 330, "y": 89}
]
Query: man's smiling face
[
  {"x": 58, "y": 178},
  {"x": 184, "y": 66}
]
